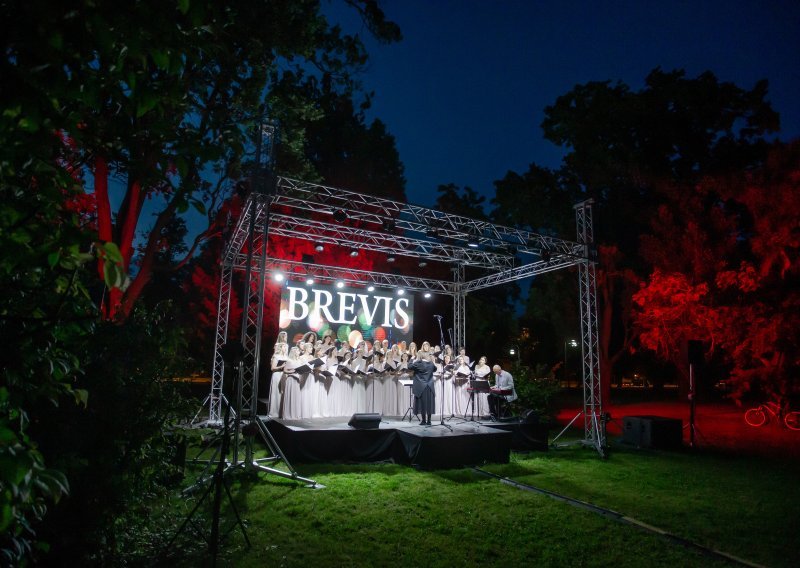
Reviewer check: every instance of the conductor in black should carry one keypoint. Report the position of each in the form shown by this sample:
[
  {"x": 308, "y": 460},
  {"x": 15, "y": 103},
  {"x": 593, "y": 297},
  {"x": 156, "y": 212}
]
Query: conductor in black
[{"x": 424, "y": 395}]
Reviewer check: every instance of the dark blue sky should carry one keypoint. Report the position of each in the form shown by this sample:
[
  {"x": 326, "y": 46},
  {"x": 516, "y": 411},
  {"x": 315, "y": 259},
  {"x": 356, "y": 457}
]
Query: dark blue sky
[{"x": 464, "y": 92}]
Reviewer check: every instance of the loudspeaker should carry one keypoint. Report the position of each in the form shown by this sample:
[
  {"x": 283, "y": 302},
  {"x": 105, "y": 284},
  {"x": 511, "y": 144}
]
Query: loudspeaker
[
  {"x": 696, "y": 352},
  {"x": 652, "y": 432},
  {"x": 365, "y": 421}
]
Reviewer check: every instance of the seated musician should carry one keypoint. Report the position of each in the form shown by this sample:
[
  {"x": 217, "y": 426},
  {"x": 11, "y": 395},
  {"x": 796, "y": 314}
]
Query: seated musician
[{"x": 503, "y": 389}]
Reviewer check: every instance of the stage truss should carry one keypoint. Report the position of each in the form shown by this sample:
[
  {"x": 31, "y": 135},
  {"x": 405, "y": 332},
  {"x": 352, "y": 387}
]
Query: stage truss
[{"x": 479, "y": 255}]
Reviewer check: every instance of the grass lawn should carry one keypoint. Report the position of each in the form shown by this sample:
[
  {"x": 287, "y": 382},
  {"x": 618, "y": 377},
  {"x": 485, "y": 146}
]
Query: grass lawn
[{"x": 389, "y": 515}]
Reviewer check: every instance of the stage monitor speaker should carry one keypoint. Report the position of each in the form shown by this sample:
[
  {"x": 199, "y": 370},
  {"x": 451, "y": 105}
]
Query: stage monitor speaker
[
  {"x": 365, "y": 421},
  {"x": 696, "y": 352},
  {"x": 529, "y": 417}
]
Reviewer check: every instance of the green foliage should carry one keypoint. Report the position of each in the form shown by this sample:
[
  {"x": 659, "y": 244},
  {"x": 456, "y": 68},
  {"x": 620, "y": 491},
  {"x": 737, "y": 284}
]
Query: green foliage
[
  {"x": 120, "y": 449},
  {"x": 44, "y": 313},
  {"x": 536, "y": 388}
]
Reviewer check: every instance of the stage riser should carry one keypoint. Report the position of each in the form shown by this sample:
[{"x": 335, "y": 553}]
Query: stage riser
[{"x": 433, "y": 448}]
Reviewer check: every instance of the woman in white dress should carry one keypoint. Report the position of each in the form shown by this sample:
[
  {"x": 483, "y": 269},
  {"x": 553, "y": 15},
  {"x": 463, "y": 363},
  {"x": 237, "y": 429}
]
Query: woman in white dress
[
  {"x": 290, "y": 387},
  {"x": 279, "y": 356},
  {"x": 359, "y": 363},
  {"x": 461, "y": 378},
  {"x": 308, "y": 384},
  {"x": 482, "y": 371},
  {"x": 344, "y": 390}
]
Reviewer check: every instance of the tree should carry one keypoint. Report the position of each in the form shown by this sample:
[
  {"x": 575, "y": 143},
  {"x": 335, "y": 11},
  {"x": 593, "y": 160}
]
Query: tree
[
  {"x": 624, "y": 148},
  {"x": 159, "y": 99},
  {"x": 727, "y": 268},
  {"x": 45, "y": 313}
]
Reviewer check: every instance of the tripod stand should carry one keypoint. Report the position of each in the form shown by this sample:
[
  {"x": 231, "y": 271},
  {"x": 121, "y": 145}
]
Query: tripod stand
[
  {"x": 217, "y": 483},
  {"x": 234, "y": 427}
]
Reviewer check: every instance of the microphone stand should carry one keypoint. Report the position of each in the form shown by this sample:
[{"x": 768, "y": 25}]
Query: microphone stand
[{"x": 441, "y": 350}]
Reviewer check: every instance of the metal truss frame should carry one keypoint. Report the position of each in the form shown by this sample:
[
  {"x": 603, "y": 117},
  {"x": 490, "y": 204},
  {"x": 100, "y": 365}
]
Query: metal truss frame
[
  {"x": 297, "y": 209},
  {"x": 594, "y": 423}
]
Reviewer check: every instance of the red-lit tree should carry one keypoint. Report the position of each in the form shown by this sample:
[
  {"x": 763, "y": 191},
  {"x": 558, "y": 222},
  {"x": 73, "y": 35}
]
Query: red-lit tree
[
  {"x": 727, "y": 262},
  {"x": 623, "y": 146}
]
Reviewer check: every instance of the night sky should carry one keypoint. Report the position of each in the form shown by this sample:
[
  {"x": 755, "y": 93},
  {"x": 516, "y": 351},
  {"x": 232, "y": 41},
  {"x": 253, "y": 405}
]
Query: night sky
[{"x": 464, "y": 92}]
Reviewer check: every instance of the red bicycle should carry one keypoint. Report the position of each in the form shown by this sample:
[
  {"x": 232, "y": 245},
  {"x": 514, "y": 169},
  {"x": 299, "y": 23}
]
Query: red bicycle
[{"x": 763, "y": 413}]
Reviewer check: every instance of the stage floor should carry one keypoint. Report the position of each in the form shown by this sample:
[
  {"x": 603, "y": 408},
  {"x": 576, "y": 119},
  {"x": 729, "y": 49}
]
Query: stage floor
[{"x": 434, "y": 447}]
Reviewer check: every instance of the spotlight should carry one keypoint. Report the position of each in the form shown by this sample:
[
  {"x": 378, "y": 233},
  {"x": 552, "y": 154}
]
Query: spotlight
[
  {"x": 390, "y": 258},
  {"x": 339, "y": 284},
  {"x": 319, "y": 247},
  {"x": 278, "y": 277},
  {"x": 354, "y": 252},
  {"x": 546, "y": 255},
  {"x": 473, "y": 240},
  {"x": 433, "y": 233},
  {"x": 309, "y": 281},
  {"x": 339, "y": 216},
  {"x": 427, "y": 294},
  {"x": 370, "y": 288},
  {"x": 423, "y": 263},
  {"x": 512, "y": 351},
  {"x": 389, "y": 225},
  {"x": 400, "y": 292}
]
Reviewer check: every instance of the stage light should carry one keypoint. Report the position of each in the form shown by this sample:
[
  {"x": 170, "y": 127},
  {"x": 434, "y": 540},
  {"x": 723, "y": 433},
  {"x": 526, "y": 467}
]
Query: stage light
[
  {"x": 473, "y": 240},
  {"x": 389, "y": 225},
  {"x": 433, "y": 233},
  {"x": 278, "y": 277},
  {"x": 309, "y": 281},
  {"x": 427, "y": 294},
  {"x": 545, "y": 254},
  {"x": 339, "y": 284},
  {"x": 319, "y": 247},
  {"x": 512, "y": 351},
  {"x": 423, "y": 263},
  {"x": 390, "y": 258},
  {"x": 339, "y": 216},
  {"x": 400, "y": 292},
  {"x": 370, "y": 288},
  {"x": 354, "y": 252}
]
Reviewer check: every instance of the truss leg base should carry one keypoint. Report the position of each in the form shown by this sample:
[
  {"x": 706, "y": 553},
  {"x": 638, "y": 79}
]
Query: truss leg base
[{"x": 310, "y": 483}]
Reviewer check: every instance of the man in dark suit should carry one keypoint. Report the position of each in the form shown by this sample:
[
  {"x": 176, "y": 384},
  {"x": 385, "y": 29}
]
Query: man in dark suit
[{"x": 424, "y": 395}]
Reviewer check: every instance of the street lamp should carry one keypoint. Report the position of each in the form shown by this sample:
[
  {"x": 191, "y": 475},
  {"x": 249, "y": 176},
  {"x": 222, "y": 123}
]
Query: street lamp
[{"x": 571, "y": 343}]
